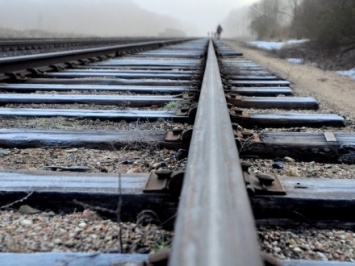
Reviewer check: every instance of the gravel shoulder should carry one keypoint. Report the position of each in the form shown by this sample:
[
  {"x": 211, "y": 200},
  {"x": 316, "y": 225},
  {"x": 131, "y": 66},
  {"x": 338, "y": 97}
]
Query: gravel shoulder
[{"x": 336, "y": 91}]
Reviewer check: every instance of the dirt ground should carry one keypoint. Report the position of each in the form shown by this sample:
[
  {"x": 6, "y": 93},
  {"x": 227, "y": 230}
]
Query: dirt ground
[{"x": 337, "y": 91}]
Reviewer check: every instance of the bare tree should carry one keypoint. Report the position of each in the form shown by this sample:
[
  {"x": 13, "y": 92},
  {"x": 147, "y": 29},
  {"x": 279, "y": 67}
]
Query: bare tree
[
  {"x": 270, "y": 18},
  {"x": 265, "y": 18},
  {"x": 328, "y": 23}
]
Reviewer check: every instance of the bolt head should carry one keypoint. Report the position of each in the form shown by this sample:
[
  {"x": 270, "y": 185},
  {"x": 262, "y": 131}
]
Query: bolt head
[{"x": 265, "y": 179}]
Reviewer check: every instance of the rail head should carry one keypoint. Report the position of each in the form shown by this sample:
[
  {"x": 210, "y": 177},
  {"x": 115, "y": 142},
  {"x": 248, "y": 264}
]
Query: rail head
[{"x": 215, "y": 225}]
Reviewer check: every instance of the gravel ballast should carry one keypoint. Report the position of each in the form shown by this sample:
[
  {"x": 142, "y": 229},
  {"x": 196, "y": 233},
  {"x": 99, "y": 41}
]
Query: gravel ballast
[
  {"x": 96, "y": 161},
  {"x": 87, "y": 232},
  {"x": 78, "y": 232},
  {"x": 88, "y": 124},
  {"x": 304, "y": 169},
  {"x": 308, "y": 243}
]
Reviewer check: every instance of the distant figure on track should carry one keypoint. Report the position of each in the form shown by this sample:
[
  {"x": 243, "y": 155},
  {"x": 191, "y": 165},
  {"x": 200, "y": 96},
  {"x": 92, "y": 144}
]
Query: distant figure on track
[{"x": 219, "y": 31}]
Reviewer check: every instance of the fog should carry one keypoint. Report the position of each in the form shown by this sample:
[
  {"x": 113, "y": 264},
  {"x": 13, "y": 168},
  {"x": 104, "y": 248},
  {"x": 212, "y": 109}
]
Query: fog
[
  {"x": 236, "y": 24},
  {"x": 118, "y": 17},
  {"x": 202, "y": 15}
]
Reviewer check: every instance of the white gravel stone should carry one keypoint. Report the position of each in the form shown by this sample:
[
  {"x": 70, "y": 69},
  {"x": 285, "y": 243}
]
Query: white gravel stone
[{"x": 26, "y": 222}]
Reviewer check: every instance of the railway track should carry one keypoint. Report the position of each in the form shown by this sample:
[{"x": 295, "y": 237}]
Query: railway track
[
  {"x": 162, "y": 130},
  {"x": 17, "y": 47}
]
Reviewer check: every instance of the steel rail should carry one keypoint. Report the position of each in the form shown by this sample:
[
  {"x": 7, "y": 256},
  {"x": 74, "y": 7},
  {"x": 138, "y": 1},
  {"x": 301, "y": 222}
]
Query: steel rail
[
  {"x": 215, "y": 225},
  {"x": 18, "y": 63}
]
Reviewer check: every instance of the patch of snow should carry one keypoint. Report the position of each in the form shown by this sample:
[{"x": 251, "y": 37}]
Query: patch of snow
[
  {"x": 275, "y": 45},
  {"x": 350, "y": 73},
  {"x": 290, "y": 42},
  {"x": 295, "y": 60}
]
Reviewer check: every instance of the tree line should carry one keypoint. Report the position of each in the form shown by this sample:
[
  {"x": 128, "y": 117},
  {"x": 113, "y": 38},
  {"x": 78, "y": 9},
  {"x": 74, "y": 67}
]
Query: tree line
[{"x": 328, "y": 23}]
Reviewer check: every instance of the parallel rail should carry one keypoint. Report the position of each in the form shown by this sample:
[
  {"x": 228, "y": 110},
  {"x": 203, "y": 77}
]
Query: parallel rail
[
  {"x": 68, "y": 41},
  {"x": 37, "y": 45}
]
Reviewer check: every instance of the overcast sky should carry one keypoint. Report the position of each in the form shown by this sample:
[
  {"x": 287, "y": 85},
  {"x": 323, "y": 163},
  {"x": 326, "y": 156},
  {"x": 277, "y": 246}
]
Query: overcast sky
[
  {"x": 204, "y": 15},
  {"x": 121, "y": 17}
]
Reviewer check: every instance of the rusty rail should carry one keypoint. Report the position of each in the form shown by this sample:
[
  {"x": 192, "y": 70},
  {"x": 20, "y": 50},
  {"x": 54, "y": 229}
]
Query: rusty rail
[{"x": 215, "y": 225}]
